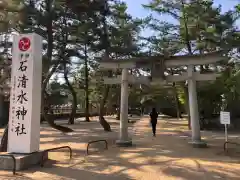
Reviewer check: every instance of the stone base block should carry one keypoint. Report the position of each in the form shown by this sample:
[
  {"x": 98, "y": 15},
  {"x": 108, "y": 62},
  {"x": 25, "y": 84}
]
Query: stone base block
[
  {"x": 124, "y": 143},
  {"x": 23, "y": 161},
  {"x": 198, "y": 144}
]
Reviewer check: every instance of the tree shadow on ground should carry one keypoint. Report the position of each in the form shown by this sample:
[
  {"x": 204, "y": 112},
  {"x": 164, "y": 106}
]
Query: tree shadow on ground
[
  {"x": 139, "y": 160},
  {"x": 207, "y": 164},
  {"x": 18, "y": 176},
  {"x": 78, "y": 174},
  {"x": 64, "y": 173},
  {"x": 161, "y": 157},
  {"x": 190, "y": 173},
  {"x": 81, "y": 134}
]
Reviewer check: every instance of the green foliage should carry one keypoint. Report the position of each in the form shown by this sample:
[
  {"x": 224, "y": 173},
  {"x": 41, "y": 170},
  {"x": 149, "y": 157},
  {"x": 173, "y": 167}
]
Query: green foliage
[
  {"x": 57, "y": 93},
  {"x": 198, "y": 28},
  {"x": 77, "y": 33}
]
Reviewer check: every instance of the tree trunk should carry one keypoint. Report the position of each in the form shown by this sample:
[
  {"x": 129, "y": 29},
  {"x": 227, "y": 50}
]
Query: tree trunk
[
  {"x": 45, "y": 106},
  {"x": 74, "y": 96},
  {"x": 176, "y": 101},
  {"x": 118, "y": 114},
  {"x": 106, "y": 126},
  {"x": 102, "y": 120},
  {"x": 185, "y": 88},
  {"x": 49, "y": 25},
  {"x": 189, "y": 48},
  {"x": 4, "y": 140},
  {"x": 86, "y": 86},
  {"x": 46, "y": 79},
  {"x": 50, "y": 118},
  {"x": 118, "y": 104},
  {"x": 176, "y": 97}
]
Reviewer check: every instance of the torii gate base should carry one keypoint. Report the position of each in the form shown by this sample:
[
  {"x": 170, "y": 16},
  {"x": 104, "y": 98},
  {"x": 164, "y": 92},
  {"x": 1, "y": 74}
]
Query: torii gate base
[
  {"x": 198, "y": 144},
  {"x": 121, "y": 143}
]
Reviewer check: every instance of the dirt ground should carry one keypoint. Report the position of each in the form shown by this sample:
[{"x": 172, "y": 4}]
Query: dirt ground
[{"x": 166, "y": 157}]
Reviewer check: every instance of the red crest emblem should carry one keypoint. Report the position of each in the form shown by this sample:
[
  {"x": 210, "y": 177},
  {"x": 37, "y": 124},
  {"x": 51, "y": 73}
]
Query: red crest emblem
[{"x": 24, "y": 44}]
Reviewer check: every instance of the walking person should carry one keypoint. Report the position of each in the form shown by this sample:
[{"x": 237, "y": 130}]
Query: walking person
[{"x": 153, "y": 117}]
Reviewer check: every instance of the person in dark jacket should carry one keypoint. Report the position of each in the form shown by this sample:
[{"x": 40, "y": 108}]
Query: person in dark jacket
[{"x": 153, "y": 117}]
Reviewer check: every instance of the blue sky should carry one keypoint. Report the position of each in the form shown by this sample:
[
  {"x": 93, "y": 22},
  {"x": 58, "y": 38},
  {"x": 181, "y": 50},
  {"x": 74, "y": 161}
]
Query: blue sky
[{"x": 135, "y": 8}]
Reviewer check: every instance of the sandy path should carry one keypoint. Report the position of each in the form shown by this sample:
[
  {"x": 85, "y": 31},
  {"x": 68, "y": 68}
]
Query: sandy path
[{"x": 166, "y": 157}]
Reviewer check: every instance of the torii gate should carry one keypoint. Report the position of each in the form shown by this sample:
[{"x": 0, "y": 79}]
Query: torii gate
[{"x": 158, "y": 64}]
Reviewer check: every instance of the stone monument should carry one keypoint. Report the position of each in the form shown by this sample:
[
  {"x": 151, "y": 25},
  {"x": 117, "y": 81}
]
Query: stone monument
[{"x": 25, "y": 102}]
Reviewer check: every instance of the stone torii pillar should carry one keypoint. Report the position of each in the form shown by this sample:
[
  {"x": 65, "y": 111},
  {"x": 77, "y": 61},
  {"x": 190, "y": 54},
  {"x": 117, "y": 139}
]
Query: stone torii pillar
[
  {"x": 124, "y": 79},
  {"x": 193, "y": 108},
  {"x": 123, "y": 136}
]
